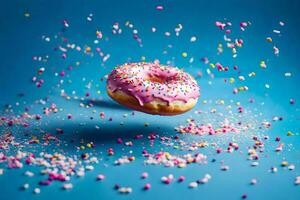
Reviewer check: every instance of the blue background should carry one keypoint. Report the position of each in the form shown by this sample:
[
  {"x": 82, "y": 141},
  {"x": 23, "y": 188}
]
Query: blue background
[{"x": 21, "y": 39}]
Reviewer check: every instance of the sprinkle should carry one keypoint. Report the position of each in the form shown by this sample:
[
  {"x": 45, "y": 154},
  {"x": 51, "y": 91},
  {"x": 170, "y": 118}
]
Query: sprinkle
[
  {"x": 193, "y": 39},
  {"x": 100, "y": 177},
  {"x": 184, "y": 54},
  {"x": 273, "y": 169},
  {"x": 125, "y": 190},
  {"x": 291, "y": 167},
  {"x": 147, "y": 186},
  {"x": 159, "y": 7},
  {"x": 181, "y": 179},
  {"x": 276, "y": 50},
  {"x": 27, "y": 14},
  {"x": 144, "y": 175},
  {"x": 25, "y": 186},
  {"x": 225, "y": 168},
  {"x": 67, "y": 186},
  {"x": 37, "y": 190},
  {"x": 267, "y": 86},
  {"x": 193, "y": 185},
  {"x": 288, "y": 74},
  {"x": 253, "y": 182},
  {"x": 29, "y": 174},
  {"x": 269, "y": 39},
  {"x": 254, "y": 164},
  {"x": 284, "y": 163},
  {"x": 263, "y": 64}
]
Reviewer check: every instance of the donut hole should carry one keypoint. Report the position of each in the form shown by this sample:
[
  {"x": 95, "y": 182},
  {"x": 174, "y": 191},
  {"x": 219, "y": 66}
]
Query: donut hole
[{"x": 156, "y": 79}]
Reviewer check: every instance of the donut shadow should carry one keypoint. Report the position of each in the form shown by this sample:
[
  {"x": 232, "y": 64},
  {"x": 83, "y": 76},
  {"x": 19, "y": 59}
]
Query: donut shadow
[
  {"x": 108, "y": 133},
  {"x": 104, "y": 103}
]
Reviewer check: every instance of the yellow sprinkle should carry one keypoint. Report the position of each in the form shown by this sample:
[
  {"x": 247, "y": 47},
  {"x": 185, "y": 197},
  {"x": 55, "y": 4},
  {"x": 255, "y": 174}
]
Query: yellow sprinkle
[
  {"x": 212, "y": 65},
  {"x": 88, "y": 49},
  {"x": 184, "y": 54},
  {"x": 182, "y": 165},
  {"x": 190, "y": 160},
  {"x": 269, "y": 39},
  {"x": 231, "y": 80},
  {"x": 252, "y": 74},
  {"x": 263, "y": 64},
  {"x": 284, "y": 163},
  {"x": 289, "y": 133}
]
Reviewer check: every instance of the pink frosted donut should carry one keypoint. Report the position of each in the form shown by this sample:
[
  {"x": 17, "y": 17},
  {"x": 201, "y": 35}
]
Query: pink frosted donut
[{"x": 153, "y": 88}]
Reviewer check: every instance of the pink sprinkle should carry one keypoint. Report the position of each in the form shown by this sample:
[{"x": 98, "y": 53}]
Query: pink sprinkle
[
  {"x": 219, "y": 150},
  {"x": 45, "y": 182},
  {"x": 62, "y": 73},
  {"x": 181, "y": 178},
  {"x": 119, "y": 140},
  {"x": 100, "y": 177},
  {"x": 102, "y": 115},
  {"x": 220, "y": 25},
  {"x": 147, "y": 186},
  {"x": 159, "y": 7},
  {"x": 243, "y": 24},
  {"x": 144, "y": 175}
]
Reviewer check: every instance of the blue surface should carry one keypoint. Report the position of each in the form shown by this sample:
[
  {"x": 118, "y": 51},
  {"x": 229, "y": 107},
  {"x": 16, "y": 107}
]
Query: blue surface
[{"x": 21, "y": 39}]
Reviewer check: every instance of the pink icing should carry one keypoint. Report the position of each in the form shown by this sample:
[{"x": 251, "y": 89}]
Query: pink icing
[{"x": 149, "y": 81}]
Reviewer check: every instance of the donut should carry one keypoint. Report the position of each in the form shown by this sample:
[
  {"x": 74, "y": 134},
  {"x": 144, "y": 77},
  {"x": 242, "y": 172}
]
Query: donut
[{"x": 153, "y": 88}]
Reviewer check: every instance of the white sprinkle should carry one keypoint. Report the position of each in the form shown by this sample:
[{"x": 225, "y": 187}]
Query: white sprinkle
[
  {"x": 288, "y": 74},
  {"x": 225, "y": 168},
  {"x": 25, "y": 186},
  {"x": 193, "y": 39},
  {"x": 253, "y": 182},
  {"x": 37, "y": 190},
  {"x": 167, "y": 34},
  {"x": 80, "y": 173},
  {"x": 274, "y": 169},
  {"x": 29, "y": 174},
  {"x": 267, "y": 86},
  {"x": 291, "y": 167},
  {"x": 67, "y": 186},
  {"x": 193, "y": 185},
  {"x": 89, "y": 167}
]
